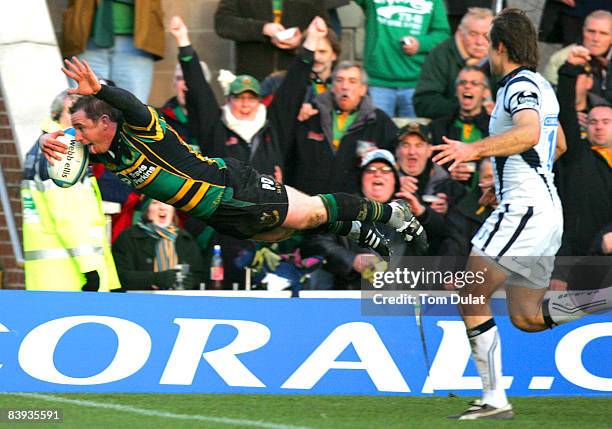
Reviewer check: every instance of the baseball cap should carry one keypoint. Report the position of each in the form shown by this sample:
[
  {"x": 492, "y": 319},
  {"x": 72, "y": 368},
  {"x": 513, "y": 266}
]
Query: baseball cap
[
  {"x": 415, "y": 128},
  {"x": 244, "y": 83},
  {"x": 381, "y": 155}
]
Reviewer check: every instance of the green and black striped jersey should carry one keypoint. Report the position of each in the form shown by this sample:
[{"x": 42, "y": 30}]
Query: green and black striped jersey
[{"x": 148, "y": 154}]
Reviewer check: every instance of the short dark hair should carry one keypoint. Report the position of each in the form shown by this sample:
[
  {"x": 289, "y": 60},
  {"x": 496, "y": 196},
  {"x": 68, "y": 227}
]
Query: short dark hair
[
  {"x": 516, "y": 31},
  {"x": 95, "y": 108},
  {"x": 334, "y": 42},
  {"x": 469, "y": 68}
]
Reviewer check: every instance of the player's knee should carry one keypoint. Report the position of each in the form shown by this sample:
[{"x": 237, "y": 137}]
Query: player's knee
[
  {"x": 313, "y": 215},
  {"x": 527, "y": 323}
]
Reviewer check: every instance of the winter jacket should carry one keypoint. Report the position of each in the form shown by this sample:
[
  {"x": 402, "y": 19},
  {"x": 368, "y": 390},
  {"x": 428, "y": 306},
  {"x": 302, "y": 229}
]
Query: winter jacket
[
  {"x": 242, "y": 21},
  {"x": 216, "y": 139},
  {"x": 312, "y": 164},
  {"x": 434, "y": 179},
  {"x": 134, "y": 253},
  {"x": 148, "y": 26},
  {"x": 585, "y": 177}
]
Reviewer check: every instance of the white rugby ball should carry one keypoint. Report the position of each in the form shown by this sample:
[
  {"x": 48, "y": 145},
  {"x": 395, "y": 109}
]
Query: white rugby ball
[{"x": 73, "y": 165}]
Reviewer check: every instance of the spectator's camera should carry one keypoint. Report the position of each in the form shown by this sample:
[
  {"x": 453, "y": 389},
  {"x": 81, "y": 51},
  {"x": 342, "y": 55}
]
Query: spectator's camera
[{"x": 406, "y": 41}]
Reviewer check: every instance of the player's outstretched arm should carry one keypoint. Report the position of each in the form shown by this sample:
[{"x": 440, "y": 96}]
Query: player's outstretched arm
[
  {"x": 83, "y": 75},
  {"x": 133, "y": 110},
  {"x": 523, "y": 135}
]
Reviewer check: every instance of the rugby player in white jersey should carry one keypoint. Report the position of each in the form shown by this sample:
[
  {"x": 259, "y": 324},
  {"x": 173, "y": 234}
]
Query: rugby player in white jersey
[{"x": 515, "y": 247}]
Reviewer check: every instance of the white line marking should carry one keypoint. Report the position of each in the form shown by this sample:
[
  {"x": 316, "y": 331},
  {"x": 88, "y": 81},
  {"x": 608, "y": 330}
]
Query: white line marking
[
  {"x": 153, "y": 413},
  {"x": 541, "y": 383}
]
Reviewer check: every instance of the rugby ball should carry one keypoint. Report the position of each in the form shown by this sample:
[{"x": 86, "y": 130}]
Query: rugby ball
[{"x": 73, "y": 165}]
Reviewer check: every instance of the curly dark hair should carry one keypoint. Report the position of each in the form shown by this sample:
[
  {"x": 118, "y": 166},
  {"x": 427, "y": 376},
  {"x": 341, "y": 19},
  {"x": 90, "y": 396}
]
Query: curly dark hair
[{"x": 517, "y": 33}]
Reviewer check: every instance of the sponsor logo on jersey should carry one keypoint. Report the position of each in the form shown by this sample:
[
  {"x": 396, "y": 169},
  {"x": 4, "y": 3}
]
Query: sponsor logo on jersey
[
  {"x": 550, "y": 121},
  {"x": 528, "y": 98},
  {"x": 140, "y": 176}
]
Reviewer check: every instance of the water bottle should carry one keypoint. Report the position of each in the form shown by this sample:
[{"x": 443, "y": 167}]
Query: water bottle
[{"x": 216, "y": 269}]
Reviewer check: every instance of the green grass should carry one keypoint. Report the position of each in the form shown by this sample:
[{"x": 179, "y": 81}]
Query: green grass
[{"x": 333, "y": 412}]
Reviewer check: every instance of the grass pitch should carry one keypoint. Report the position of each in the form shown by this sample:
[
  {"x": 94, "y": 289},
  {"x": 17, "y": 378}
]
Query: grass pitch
[{"x": 137, "y": 411}]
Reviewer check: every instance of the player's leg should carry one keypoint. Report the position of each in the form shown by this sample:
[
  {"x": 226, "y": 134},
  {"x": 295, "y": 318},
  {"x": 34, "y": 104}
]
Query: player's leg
[
  {"x": 339, "y": 210},
  {"x": 305, "y": 211},
  {"x": 274, "y": 235},
  {"x": 309, "y": 215},
  {"x": 533, "y": 308},
  {"x": 525, "y": 307},
  {"x": 484, "y": 338},
  {"x": 559, "y": 307}
]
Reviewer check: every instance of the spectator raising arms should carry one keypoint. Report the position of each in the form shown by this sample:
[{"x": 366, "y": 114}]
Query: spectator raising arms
[
  {"x": 587, "y": 165},
  {"x": 596, "y": 47},
  {"x": 325, "y": 156},
  {"x": 244, "y": 128}
]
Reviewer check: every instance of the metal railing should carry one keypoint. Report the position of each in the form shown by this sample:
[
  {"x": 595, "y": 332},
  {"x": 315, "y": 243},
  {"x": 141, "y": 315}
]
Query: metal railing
[{"x": 10, "y": 220}]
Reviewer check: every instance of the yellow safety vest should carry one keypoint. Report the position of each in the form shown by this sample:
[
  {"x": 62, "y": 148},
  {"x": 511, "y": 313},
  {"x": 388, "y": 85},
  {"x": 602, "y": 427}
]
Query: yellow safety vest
[{"x": 64, "y": 236}]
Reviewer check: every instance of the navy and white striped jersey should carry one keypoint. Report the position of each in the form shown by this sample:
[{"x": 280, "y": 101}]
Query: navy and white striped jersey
[{"x": 526, "y": 178}]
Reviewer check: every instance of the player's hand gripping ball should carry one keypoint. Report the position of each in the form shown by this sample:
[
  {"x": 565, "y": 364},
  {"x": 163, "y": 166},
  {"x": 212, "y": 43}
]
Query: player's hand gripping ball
[{"x": 73, "y": 164}]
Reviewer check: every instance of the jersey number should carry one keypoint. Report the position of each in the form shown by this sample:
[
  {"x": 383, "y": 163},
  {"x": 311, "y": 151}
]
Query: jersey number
[{"x": 267, "y": 183}]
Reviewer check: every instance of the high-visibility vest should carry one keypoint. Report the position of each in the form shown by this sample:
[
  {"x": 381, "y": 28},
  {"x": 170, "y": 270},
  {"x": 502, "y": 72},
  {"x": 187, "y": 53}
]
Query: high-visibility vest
[{"x": 64, "y": 236}]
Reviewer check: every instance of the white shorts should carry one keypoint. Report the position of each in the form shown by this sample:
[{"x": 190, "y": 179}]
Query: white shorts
[{"x": 522, "y": 239}]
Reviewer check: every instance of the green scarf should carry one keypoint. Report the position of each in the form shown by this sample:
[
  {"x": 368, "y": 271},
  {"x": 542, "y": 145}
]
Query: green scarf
[
  {"x": 277, "y": 11},
  {"x": 341, "y": 123},
  {"x": 165, "y": 251}
]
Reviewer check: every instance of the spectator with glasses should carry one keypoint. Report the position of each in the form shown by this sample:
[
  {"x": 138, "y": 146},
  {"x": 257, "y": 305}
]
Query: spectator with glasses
[
  {"x": 346, "y": 263},
  {"x": 468, "y": 123},
  {"x": 435, "y": 94}
]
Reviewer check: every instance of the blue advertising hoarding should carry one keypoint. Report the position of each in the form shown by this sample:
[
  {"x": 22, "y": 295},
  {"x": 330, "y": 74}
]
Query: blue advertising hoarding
[{"x": 89, "y": 342}]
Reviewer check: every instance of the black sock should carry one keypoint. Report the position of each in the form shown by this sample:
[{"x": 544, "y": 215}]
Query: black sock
[
  {"x": 482, "y": 328},
  {"x": 339, "y": 228},
  {"x": 546, "y": 315},
  {"x": 345, "y": 207}
]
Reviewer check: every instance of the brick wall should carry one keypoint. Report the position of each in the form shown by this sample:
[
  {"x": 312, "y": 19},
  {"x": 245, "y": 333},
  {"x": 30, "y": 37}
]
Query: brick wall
[{"x": 13, "y": 275}]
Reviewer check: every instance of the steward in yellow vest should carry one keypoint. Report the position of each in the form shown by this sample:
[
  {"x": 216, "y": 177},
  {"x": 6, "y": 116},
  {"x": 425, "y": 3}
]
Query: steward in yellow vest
[{"x": 64, "y": 233}]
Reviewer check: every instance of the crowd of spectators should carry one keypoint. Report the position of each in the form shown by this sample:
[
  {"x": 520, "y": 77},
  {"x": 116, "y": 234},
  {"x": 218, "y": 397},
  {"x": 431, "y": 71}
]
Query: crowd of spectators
[{"x": 290, "y": 117}]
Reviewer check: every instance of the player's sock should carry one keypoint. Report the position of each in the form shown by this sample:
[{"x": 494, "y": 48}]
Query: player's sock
[
  {"x": 364, "y": 234},
  {"x": 486, "y": 350},
  {"x": 563, "y": 307},
  {"x": 346, "y": 207},
  {"x": 344, "y": 228}
]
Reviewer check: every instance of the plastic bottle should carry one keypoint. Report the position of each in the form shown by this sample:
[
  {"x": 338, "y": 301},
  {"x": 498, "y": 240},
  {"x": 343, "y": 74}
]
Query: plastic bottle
[{"x": 216, "y": 269}]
